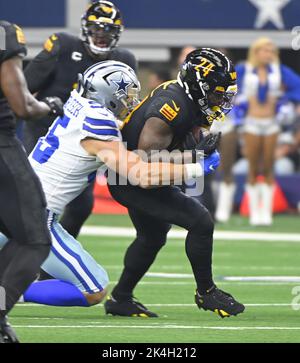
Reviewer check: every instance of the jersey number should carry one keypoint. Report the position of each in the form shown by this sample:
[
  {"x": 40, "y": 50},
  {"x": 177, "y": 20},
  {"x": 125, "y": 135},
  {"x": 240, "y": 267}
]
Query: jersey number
[
  {"x": 206, "y": 67},
  {"x": 47, "y": 145}
]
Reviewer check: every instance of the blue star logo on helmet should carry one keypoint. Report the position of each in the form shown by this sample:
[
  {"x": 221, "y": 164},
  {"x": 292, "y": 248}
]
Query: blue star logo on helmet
[{"x": 122, "y": 84}]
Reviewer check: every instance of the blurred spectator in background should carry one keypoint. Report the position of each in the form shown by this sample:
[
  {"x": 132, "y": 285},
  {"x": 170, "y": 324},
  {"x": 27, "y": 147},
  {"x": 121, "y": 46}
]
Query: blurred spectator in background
[
  {"x": 263, "y": 83},
  {"x": 228, "y": 152},
  {"x": 286, "y": 157},
  {"x": 183, "y": 53},
  {"x": 284, "y": 154},
  {"x": 157, "y": 76}
]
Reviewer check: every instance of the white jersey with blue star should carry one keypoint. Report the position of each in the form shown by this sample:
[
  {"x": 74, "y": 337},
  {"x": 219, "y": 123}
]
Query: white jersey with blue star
[{"x": 64, "y": 167}]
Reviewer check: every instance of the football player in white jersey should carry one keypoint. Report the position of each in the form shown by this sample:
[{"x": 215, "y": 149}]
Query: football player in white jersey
[{"x": 66, "y": 161}]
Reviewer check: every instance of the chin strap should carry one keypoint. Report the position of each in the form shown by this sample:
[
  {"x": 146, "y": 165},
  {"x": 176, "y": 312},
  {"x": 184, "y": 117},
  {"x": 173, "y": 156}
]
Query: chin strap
[
  {"x": 214, "y": 114},
  {"x": 96, "y": 50}
]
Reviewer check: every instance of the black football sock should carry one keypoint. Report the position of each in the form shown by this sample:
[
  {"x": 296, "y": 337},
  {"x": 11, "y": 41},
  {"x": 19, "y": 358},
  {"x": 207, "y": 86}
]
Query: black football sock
[
  {"x": 198, "y": 246},
  {"x": 138, "y": 258}
]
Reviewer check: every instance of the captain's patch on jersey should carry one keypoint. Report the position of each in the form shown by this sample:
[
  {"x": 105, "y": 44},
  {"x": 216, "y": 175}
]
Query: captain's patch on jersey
[{"x": 168, "y": 112}]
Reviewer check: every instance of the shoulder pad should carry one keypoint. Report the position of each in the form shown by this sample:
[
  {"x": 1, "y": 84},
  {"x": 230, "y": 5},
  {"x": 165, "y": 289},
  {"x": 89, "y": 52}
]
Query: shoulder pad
[
  {"x": 51, "y": 45},
  {"x": 15, "y": 43},
  {"x": 125, "y": 56}
]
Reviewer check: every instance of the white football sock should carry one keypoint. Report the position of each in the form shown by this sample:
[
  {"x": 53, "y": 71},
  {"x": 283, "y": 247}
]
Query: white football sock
[
  {"x": 267, "y": 191},
  {"x": 225, "y": 201},
  {"x": 254, "y": 204}
]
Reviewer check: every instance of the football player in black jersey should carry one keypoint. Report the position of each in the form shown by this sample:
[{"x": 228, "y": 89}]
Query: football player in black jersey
[
  {"x": 22, "y": 203},
  {"x": 202, "y": 93},
  {"x": 54, "y": 71}
]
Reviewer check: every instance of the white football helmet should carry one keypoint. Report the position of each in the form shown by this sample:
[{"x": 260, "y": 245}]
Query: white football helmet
[{"x": 112, "y": 84}]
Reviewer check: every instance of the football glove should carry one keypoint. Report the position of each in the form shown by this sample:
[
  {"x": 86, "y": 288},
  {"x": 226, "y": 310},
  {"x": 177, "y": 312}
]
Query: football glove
[
  {"x": 211, "y": 162},
  {"x": 207, "y": 145},
  {"x": 56, "y": 105}
]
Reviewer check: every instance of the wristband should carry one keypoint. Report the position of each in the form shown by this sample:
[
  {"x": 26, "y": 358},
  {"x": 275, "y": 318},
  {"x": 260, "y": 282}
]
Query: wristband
[{"x": 193, "y": 170}]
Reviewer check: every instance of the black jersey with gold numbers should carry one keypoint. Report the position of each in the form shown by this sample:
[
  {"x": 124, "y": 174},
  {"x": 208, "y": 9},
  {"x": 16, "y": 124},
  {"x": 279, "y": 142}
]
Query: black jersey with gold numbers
[
  {"x": 54, "y": 71},
  {"x": 14, "y": 46},
  {"x": 170, "y": 103}
]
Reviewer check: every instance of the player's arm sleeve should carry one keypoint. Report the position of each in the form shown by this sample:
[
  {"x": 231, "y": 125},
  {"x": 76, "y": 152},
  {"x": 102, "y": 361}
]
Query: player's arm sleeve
[
  {"x": 96, "y": 126},
  {"x": 40, "y": 69},
  {"x": 15, "y": 42}
]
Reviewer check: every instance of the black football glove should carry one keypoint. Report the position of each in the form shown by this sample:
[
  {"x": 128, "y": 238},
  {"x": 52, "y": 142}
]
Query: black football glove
[
  {"x": 207, "y": 145},
  {"x": 189, "y": 142},
  {"x": 56, "y": 105}
]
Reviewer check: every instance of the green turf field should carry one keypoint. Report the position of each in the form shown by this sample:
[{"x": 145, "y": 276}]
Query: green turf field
[{"x": 270, "y": 315}]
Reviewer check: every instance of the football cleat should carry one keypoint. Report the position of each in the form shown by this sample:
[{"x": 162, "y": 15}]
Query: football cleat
[
  {"x": 219, "y": 302},
  {"x": 130, "y": 308},
  {"x": 7, "y": 334}
]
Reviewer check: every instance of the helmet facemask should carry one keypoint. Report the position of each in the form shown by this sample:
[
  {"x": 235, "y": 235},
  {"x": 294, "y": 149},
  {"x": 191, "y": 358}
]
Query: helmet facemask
[
  {"x": 217, "y": 104},
  {"x": 101, "y": 37},
  {"x": 127, "y": 101},
  {"x": 222, "y": 98}
]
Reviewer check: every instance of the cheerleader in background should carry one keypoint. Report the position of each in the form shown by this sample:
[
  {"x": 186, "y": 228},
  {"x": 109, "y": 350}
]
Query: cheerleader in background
[
  {"x": 228, "y": 152},
  {"x": 263, "y": 81}
]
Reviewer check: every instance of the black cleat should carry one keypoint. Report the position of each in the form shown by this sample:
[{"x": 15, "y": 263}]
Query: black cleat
[
  {"x": 7, "y": 334},
  {"x": 219, "y": 302},
  {"x": 131, "y": 307}
]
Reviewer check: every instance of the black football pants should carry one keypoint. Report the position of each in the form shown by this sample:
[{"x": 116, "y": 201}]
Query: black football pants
[
  {"x": 22, "y": 219},
  {"x": 152, "y": 212}
]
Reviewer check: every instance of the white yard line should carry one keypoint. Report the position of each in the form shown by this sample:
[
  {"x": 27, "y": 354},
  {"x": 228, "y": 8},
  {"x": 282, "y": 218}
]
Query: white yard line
[
  {"x": 228, "y": 283},
  {"x": 159, "y": 327},
  {"x": 156, "y": 305},
  {"x": 218, "y": 235},
  {"x": 180, "y": 268},
  {"x": 263, "y": 278},
  {"x": 228, "y": 278}
]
